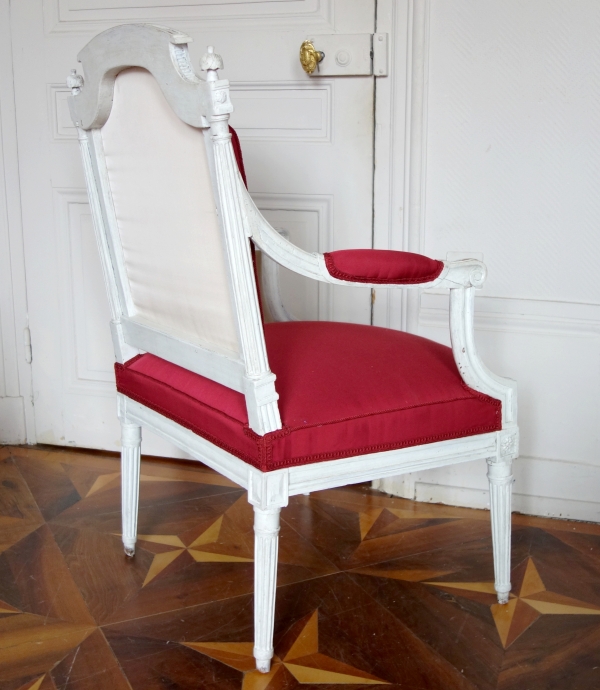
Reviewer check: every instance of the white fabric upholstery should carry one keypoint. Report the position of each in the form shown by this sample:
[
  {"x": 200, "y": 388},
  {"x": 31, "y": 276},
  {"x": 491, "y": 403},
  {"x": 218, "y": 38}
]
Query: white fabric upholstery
[{"x": 166, "y": 214}]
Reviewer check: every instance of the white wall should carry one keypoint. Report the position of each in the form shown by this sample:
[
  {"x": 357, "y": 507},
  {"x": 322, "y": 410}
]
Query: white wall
[{"x": 510, "y": 170}]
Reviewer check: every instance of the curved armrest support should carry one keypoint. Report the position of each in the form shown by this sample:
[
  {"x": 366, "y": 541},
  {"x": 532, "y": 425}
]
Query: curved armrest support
[
  {"x": 277, "y": 247},
  {"x": 473, "y": 371},
  {"x": 462, "y": 277},
  {"x": 466, "y": 273}
]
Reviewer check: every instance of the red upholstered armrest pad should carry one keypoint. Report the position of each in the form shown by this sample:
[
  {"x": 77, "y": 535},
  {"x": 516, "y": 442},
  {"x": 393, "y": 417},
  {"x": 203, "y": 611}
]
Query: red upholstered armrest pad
[{"x": 382, "y": 266}]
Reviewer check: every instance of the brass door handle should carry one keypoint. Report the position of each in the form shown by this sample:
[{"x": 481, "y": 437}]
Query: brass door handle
[{"x": 310, "y": 57}]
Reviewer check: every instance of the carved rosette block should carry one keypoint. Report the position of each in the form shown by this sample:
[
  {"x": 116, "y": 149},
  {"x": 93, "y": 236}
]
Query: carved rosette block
[
  {"x": 266, "y": 546},
  {"x": 221, "y": 103},
  {"x": 509, "y": 444},
  {"x": 501, "y": 480},
  {"x": 131, "y": 439}
]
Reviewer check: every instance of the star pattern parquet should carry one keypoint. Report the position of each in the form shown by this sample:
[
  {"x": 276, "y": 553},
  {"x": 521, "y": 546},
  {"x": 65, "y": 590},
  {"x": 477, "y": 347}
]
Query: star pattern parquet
[{"x": 372, "y": 590}]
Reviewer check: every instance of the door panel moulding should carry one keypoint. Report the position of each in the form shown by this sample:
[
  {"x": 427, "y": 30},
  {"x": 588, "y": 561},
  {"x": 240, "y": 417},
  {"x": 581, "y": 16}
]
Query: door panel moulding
[
  {"x": 88, "y": 348},
  {"x": 309, "y": 106},
  {"x": 321, "y": 206},
  {"x": 93, "y": 16}
]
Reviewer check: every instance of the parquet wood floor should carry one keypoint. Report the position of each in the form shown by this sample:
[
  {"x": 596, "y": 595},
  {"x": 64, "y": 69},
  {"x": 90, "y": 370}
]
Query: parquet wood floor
[{"x": 372, "y": 590}]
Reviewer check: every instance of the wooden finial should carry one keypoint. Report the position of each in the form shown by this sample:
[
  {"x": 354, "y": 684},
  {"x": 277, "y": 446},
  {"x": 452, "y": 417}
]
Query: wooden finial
[
  {"x": 210, "y": 63},
  {"x": 75, "y": 82}
]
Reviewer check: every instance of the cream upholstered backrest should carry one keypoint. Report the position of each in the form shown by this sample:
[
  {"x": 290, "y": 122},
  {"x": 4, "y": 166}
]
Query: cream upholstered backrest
[
  {"x": 166, "y": 214},
  {"x": 170, "y": 210}
]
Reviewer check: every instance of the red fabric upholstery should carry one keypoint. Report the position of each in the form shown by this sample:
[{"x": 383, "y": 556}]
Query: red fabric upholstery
[
  {"x": 343, "y": 390},
  {"x": 382, "y": 266},
  {"x": 237, "y": 152}
]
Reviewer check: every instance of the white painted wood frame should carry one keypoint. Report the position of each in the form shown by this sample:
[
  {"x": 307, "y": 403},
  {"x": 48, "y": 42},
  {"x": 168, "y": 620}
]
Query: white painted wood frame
[{"x": 206, "y": 104}]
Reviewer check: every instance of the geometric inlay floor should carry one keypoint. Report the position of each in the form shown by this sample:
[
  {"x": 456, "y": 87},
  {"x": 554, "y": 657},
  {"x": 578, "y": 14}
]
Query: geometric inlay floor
[{"x": 372, "y": 590}]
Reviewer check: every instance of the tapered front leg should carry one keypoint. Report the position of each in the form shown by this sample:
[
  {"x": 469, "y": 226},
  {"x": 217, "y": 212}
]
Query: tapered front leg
[
  {"x": 266, "y": 541},
  {"x": 501, "y": 480},
  {"x": 131, "y": 440}
]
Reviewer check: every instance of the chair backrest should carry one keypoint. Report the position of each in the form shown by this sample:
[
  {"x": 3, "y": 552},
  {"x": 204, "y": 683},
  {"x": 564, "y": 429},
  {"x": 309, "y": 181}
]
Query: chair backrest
[
  {"x": 168, "y": 210},
  {"x": 166, "y": 216}
]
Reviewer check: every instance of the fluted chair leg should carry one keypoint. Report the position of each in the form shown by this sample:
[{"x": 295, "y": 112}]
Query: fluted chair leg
[
  {"x": 266, "y": 542},
  {"x": 131, "y": 441},
  {"x": 501, "y": 480}
]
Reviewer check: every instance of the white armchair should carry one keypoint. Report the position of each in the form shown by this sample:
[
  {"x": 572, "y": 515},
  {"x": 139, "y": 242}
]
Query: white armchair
[{"x": 282, "y": 408}]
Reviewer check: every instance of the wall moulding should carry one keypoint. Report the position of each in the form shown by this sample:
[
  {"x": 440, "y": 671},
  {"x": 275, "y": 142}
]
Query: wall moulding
[
  {"x": 536, "y": 317},
  {"x": 91, "y": 16},
  {"x": 402, "y": 224},
  {"x": 549, "y": 346}
]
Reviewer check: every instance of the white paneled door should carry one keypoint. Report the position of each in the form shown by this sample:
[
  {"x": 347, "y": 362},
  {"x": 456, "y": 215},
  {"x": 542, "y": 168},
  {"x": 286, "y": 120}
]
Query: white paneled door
[{"x": 308, "y": 148}]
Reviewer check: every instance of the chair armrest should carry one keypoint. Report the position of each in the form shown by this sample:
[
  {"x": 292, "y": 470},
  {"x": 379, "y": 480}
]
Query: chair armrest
[
  {"x": 361, "y": 267},
  {"x": 382, "y": 267},
  {"x": 372, "y": 268}
]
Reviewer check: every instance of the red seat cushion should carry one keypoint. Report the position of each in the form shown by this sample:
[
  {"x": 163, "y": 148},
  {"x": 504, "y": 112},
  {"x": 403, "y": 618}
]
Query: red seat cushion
[
  {"x": 382, "y": 266},
  {"x": 343, "y": 390}
]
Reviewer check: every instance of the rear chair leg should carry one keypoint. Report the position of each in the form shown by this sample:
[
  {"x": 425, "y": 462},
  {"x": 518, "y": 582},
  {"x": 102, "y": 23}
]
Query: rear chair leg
[
  {"x": 501, "y": 480},
  {"x": 266, "y": 541},
  {"x": 131, "y": 441}
]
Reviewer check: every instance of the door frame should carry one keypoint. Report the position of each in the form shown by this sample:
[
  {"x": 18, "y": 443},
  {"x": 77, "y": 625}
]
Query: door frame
[
  {"x": 400, "y": 150},
  {"x": 17, "y": 423}
]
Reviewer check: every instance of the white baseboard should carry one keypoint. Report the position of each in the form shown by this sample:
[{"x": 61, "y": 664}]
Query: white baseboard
[
  {"x": 12, "y": 421},
  {"x": 549, "y": 488}
]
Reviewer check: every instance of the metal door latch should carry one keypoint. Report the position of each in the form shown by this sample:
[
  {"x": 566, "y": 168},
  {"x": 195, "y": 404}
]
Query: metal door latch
[
  {"x": 310, "y": 57},
  {"x": 333, "y": 55}
]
